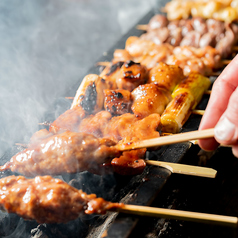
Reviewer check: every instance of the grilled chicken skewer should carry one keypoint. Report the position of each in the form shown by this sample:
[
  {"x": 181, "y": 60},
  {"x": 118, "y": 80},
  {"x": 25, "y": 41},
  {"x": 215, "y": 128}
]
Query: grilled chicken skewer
[
  {"x": 90, "y": 97},
  {"x": 196, "y": 32},
  {"x": 48, "y": 200},
  {"x": 51, "y": 200},
  {"x": 220, "y": 10},
  {"x": 72, "y": 152}
]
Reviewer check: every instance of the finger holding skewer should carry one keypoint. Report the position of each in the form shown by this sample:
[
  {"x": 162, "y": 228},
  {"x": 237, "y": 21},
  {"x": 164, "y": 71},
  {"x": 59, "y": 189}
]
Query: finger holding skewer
[{"x": 221, "y": 111}]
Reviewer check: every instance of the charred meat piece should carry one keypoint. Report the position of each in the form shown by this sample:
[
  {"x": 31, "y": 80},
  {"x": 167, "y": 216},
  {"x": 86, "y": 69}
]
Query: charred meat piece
[
  {"x": 110, "y": 74},
  {"x": 117, "y": 102},
  {"x": 148, "y": 99},
  {"x": 131, "y": 76},
  {"x": 48, "y": 200},
  {"x": 166, "y": 76},
  {"x": 69, "y": 152},
  {"x": 89, "y": 95}
]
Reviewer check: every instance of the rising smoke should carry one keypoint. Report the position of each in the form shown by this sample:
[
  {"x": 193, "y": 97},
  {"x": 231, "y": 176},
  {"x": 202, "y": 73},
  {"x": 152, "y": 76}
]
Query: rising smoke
[{"x": 47, "y": 46}]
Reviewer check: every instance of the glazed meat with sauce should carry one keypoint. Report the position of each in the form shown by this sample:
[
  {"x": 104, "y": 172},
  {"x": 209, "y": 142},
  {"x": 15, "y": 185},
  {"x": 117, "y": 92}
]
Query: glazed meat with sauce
[
  {"x": 127, "y": 128},
  {"x": 68, "y": 152},
  {"x": 198, "y": 60},
  {"x": 110, "y": 74},
  {"x": 131, "y": 76},
  {"x": 148, "y": 99},
  {"x": 117, "y": 102},
  {"x": 68, "y": 121},
  {"x": 48, "y": 200},
  {"x": 190, "y": 59},
  {"x": 220, "y": 10},
  {"x": 95, "y": 124},
  {"x": 121, "y": 55},
  {"x": 166, "y": 76},
  {"x": 146, "y": 52}
]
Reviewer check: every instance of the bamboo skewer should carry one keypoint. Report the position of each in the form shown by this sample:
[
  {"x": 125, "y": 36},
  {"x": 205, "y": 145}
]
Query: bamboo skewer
[
  {"x": 168, "y": 140},
  {"x": 208, "y": 92},
  {"x": 185, "y": 169},
  {"x": 226, "y": 62},
  {"x": 198, "y": 112},
  {"x": 180, "y": 215},
  {"x": 142, "y": 27}
]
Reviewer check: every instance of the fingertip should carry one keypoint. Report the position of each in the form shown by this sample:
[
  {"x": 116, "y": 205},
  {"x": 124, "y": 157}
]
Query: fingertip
[
  {"x": 208, "y": 144},
  {"x": 235, "y": 150}
]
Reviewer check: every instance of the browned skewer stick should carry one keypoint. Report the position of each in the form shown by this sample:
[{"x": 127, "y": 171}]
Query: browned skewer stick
[
  {"x": 180, "y": 215},
  {"x": 235, "y": 48},
  {"x": 198, "y": 112},
  {"x": 142, "y": 27},
  {"x": 226, "y": 62}
]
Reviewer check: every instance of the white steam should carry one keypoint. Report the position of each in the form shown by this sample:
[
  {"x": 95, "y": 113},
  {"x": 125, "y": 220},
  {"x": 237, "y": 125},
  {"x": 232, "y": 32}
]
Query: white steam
[{"x": 46, "y": 47}]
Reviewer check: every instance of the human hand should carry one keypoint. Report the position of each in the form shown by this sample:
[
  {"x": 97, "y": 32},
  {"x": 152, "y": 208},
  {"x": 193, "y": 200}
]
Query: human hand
[{"x": 222, "y": 110}]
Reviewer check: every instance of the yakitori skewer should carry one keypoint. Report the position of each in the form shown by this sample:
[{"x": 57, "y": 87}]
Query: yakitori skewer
[
  {"x": 177, "y": 168},
  {"x": 224, "y": 62},
  {"x": 219, "y": 10},
  {"x": 51, "y": 200},
  {"x": 71, "y": 152},
  {"x": 107, "y": 63}
]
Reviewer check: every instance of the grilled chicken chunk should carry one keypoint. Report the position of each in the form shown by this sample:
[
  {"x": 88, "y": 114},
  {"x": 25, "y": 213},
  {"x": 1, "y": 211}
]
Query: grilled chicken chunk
[
  {"x": 117, "y": 102},
  {"x": 148, "y": 99},
  {"x": 166, "y": 76},
  {"x": 131, "y": 76}
]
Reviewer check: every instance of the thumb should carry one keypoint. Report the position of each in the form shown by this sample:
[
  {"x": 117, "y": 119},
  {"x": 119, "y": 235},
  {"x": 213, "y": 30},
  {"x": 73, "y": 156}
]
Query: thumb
[{"x": 226, "y": 130}]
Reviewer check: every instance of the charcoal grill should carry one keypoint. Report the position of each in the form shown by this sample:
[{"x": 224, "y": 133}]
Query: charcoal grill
[{"x": 154, "y": 187}]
